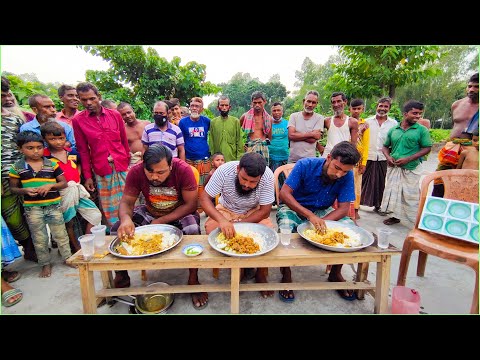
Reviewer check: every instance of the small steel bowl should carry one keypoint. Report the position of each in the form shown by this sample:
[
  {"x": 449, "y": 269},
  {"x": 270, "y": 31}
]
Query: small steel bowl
[{"x": 154, "y": 303}]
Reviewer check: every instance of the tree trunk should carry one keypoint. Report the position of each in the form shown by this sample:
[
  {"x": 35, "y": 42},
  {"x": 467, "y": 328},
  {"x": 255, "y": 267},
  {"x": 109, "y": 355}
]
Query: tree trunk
[{"x": 391, "y": 91}]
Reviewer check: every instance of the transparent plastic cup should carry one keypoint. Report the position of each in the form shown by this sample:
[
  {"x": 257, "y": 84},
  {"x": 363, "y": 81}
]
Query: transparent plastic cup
[
  {"x": 99, "y": 233},
  {"x": 88, "y": 246},
  {"x": 285, "y": 235},
  {"x": 382, "y": 237}
]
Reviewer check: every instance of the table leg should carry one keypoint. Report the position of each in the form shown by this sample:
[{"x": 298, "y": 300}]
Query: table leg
[
  {"x": 107, "y": 281},
  {"x": 382, "y": 285},
  {"x": 87, "y": 288},
  {"x": 235, "y": 291},
  {"x": 362, "y": 275}
]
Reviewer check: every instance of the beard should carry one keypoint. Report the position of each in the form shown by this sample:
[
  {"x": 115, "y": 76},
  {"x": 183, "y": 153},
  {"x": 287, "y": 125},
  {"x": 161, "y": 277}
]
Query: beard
[
  {"x": 338, "y": 112},
  {"x": 239, "y": 189},
  {"x": 308, "y": 111},
  {"x": 325, "y": 178}
]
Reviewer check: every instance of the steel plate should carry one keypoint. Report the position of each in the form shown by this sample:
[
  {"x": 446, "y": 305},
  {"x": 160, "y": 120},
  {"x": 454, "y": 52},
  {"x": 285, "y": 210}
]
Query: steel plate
[
  {"x": 365, "y": 237},
  {"x": 148, "y": 229},
  {"x": 268, "y": 234}
]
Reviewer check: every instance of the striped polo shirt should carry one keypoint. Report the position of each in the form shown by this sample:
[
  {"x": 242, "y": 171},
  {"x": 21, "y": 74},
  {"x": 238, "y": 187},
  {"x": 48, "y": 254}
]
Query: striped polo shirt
[
  {"x": 223, "y": 182},
  {"x": 29, "y": 179},
  {"x": 172, "y": 137}
]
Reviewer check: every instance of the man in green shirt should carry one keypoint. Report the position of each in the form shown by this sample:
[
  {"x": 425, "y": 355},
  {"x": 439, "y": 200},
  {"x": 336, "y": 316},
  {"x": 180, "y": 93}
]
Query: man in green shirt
[
  {"x": 225, "y": 134},
  {"x": 405, "y": 144}
]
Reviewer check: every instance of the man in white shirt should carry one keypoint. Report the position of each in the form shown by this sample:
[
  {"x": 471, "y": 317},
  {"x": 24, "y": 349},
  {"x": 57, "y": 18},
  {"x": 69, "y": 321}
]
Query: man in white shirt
[{"x": 373, "y": 182}]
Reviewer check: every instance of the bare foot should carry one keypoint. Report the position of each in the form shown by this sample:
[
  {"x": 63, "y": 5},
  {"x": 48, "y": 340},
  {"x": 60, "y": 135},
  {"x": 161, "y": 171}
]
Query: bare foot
[
  {"x": 199, "y": 300},
  {"x": 46, "y": 271},
  {"x": 70, "y": 265},
  {"x": 260, "y": 277}
]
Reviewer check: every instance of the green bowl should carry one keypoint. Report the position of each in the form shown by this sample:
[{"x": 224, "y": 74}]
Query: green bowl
[
  {"x": 459, "y": 211},
  {"x": 432, "y": 222},
  {"x": 436, "y": 206},
  {"x": 456, "y": 228},
  {"x": 474, "y": 233}
]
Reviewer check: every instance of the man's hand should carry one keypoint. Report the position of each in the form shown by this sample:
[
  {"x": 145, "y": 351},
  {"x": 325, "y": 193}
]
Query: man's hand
[
  {"x": 31, "y": 191},
  {"x": 126, "y": 229},
  {"x": 401, "y": 162},
  {"x": 318, "y": 223},
  {"x": 390, "y": 161},
  {"x": 317, "y": 134},
  {"x": 89, "y": 185},
  {"x": 227, "y": 228},
  {"x": 44, "y": 189},
  {"x": 361, "y": 169}
]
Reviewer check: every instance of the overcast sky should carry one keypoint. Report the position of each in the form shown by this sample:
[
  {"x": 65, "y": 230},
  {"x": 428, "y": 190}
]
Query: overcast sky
[{"x": 67, "y": 64}]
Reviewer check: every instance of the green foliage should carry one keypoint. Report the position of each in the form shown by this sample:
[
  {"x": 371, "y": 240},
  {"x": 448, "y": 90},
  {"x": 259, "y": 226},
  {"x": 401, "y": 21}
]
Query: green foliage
[
  {"x": 25, "y": 85},
  {"x": 439, "y": 135},
  {"x": 240, "y": 88},
  {"x": 374, "y": 71},
  {"x": 142, "y": 77}
]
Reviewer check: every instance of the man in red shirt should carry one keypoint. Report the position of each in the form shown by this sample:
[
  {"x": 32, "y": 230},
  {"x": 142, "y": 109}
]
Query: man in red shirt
[{"x": 103, "y": 146}]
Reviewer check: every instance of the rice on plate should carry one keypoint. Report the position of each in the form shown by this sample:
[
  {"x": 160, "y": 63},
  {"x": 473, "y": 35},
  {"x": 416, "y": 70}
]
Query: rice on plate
[
  {"x": 336, "y": 237},
  {"x": 246, "y": 242}
]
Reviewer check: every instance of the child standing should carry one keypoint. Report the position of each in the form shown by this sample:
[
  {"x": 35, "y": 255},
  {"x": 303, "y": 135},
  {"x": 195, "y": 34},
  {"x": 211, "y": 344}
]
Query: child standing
[
  {"x": 217, "y": 160},
  {"x": 38, "y": 180},
  {"x": 74, "y": 197}
]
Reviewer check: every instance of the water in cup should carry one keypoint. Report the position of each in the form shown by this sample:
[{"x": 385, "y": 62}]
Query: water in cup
[
  {"x": 88, "y": 246},
  {"x": 99, "y": 232},
  {"x": 382, "y": 237},
  {"x": 285, "y": 234}
]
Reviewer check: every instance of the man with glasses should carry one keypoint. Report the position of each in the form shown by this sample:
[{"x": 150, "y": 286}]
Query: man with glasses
[{"x": 305, "y": 128}]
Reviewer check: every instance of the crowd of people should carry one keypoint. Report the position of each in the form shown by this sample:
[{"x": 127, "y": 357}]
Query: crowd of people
[{"x": 74, "y": 169}]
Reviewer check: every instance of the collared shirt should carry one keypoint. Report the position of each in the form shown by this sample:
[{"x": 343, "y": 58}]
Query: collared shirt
[
  {"x": 172, "y": 137},
  {"x": 378, "y": 134},
  {"x": 226, "y": 136},
  {"x": 70, "y": 168},
  {"x": 100, "y": 136},
  {"x": 309, "y": 189},
  {"x": 61, "y": 117},
  {"x": 405, "y": 143},
  {"x": 34, "y": 125},
  {"x": 30, "y": 179}
]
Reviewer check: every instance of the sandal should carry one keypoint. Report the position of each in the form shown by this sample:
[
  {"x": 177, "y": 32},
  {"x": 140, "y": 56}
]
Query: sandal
[
  {"x": 7, "y": 295},
  {"x": 10, "y": 276},
  {"x": 391, "y": 221}
]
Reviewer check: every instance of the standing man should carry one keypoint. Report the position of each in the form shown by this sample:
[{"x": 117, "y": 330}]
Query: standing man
[
  {"x": 195, "y": 130},
  {"x": 161, "y": 131},
  {"x": 373, "y": 180},
  {"x": 103, "y": 147},
  {"x": 278, "y": 147},
  {"x": 9, "y": 102},
  {"x": 406, "y": 143},
  {"x": 44, "y": 110},
  {"x": 246, "y": 195},
  {"x": 12, "y": 208},
  {"x": 225, "y": 133},
  {"x": 134, "y": 130},
  {"x": 68, "y": 96},
  {"x": 305, "y": 128},
  {"x": 465, "y": 122},
  {"x": 170, "y": 191},
  {"x": 309, "y": 193},
  {"x": 257, "y": 124},
  {"x": 340, "y": 126},
  {"x": 357, "y": 106}
]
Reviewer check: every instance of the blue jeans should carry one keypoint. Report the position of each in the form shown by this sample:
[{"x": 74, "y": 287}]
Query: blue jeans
[{"x": 37, "y": 218}]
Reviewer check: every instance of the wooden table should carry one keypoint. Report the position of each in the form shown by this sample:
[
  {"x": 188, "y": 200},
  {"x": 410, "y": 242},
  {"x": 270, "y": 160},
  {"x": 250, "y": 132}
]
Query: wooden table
[{"x": 304, "y": 254}]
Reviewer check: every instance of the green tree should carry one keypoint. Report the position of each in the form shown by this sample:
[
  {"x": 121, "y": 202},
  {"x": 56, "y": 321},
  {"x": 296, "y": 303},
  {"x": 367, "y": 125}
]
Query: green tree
[
  {"x": 142, "y": 77},
  {"x": 374, "y": 71}
]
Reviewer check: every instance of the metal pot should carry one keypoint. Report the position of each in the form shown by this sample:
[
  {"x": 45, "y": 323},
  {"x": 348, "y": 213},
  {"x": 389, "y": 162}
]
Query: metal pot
[{"x": 149, "y": 303}]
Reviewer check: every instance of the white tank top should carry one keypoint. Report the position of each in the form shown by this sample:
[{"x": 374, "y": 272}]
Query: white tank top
[{"x": 335, "y": 135}]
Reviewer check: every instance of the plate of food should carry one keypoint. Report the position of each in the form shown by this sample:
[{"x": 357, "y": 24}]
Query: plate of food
[
  {"x": 251, "y": 239},
  {"x": 148, "y": 240},
  {"x": 340, "y": 237}
]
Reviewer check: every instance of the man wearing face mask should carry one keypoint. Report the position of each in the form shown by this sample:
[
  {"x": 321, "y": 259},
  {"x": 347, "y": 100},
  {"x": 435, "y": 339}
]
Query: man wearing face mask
[
  {"x": 225, "y": 134},
  {"x": 164, "y": 132}
]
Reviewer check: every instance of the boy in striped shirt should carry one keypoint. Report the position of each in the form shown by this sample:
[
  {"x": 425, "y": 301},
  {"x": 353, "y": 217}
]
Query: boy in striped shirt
[{"x": 38, "y": 180}]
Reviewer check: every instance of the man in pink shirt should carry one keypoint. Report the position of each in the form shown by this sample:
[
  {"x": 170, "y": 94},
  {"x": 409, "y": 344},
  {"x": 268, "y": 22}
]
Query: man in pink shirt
[
  {"x": 68, "y": 96},
  {"x": 103, "y": 147}
]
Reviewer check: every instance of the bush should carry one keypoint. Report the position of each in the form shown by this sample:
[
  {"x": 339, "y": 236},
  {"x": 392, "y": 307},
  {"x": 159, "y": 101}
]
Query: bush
[{"x": 439, "y": 135}]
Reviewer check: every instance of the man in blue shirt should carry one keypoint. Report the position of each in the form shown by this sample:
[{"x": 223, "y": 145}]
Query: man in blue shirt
[
  {"x": 44, "y": 109},
  {"x": 309, "y": 193}
]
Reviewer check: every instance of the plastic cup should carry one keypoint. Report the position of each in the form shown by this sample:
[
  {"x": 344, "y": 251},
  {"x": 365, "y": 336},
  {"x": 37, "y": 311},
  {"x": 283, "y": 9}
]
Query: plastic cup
[
  {"x": 99, "y": 233},
  {"x": 285, "y": 234},
  {"x": 382, "y": 237},
  {"x": 88, "y": 246}
]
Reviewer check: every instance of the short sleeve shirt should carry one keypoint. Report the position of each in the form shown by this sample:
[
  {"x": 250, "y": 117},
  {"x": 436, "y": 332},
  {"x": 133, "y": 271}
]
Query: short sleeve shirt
[
  {"x": 163, "y": 199},
  {"x": 70, "y": 168},
  {"x": 223, "y": 182},
  {"x": 310, "y": 190}
]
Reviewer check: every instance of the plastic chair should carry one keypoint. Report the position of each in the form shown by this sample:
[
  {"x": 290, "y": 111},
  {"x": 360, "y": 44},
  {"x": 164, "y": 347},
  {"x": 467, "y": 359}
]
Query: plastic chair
[
  {"x": 286, "y": 169},
  {"x": 460, "y": 184}
]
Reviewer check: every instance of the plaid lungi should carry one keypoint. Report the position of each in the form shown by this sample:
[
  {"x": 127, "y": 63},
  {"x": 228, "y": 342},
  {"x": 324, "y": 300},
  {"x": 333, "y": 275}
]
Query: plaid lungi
[
  {"x": 259, "y": 146},
  {"x": 110, "y": 190}
]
